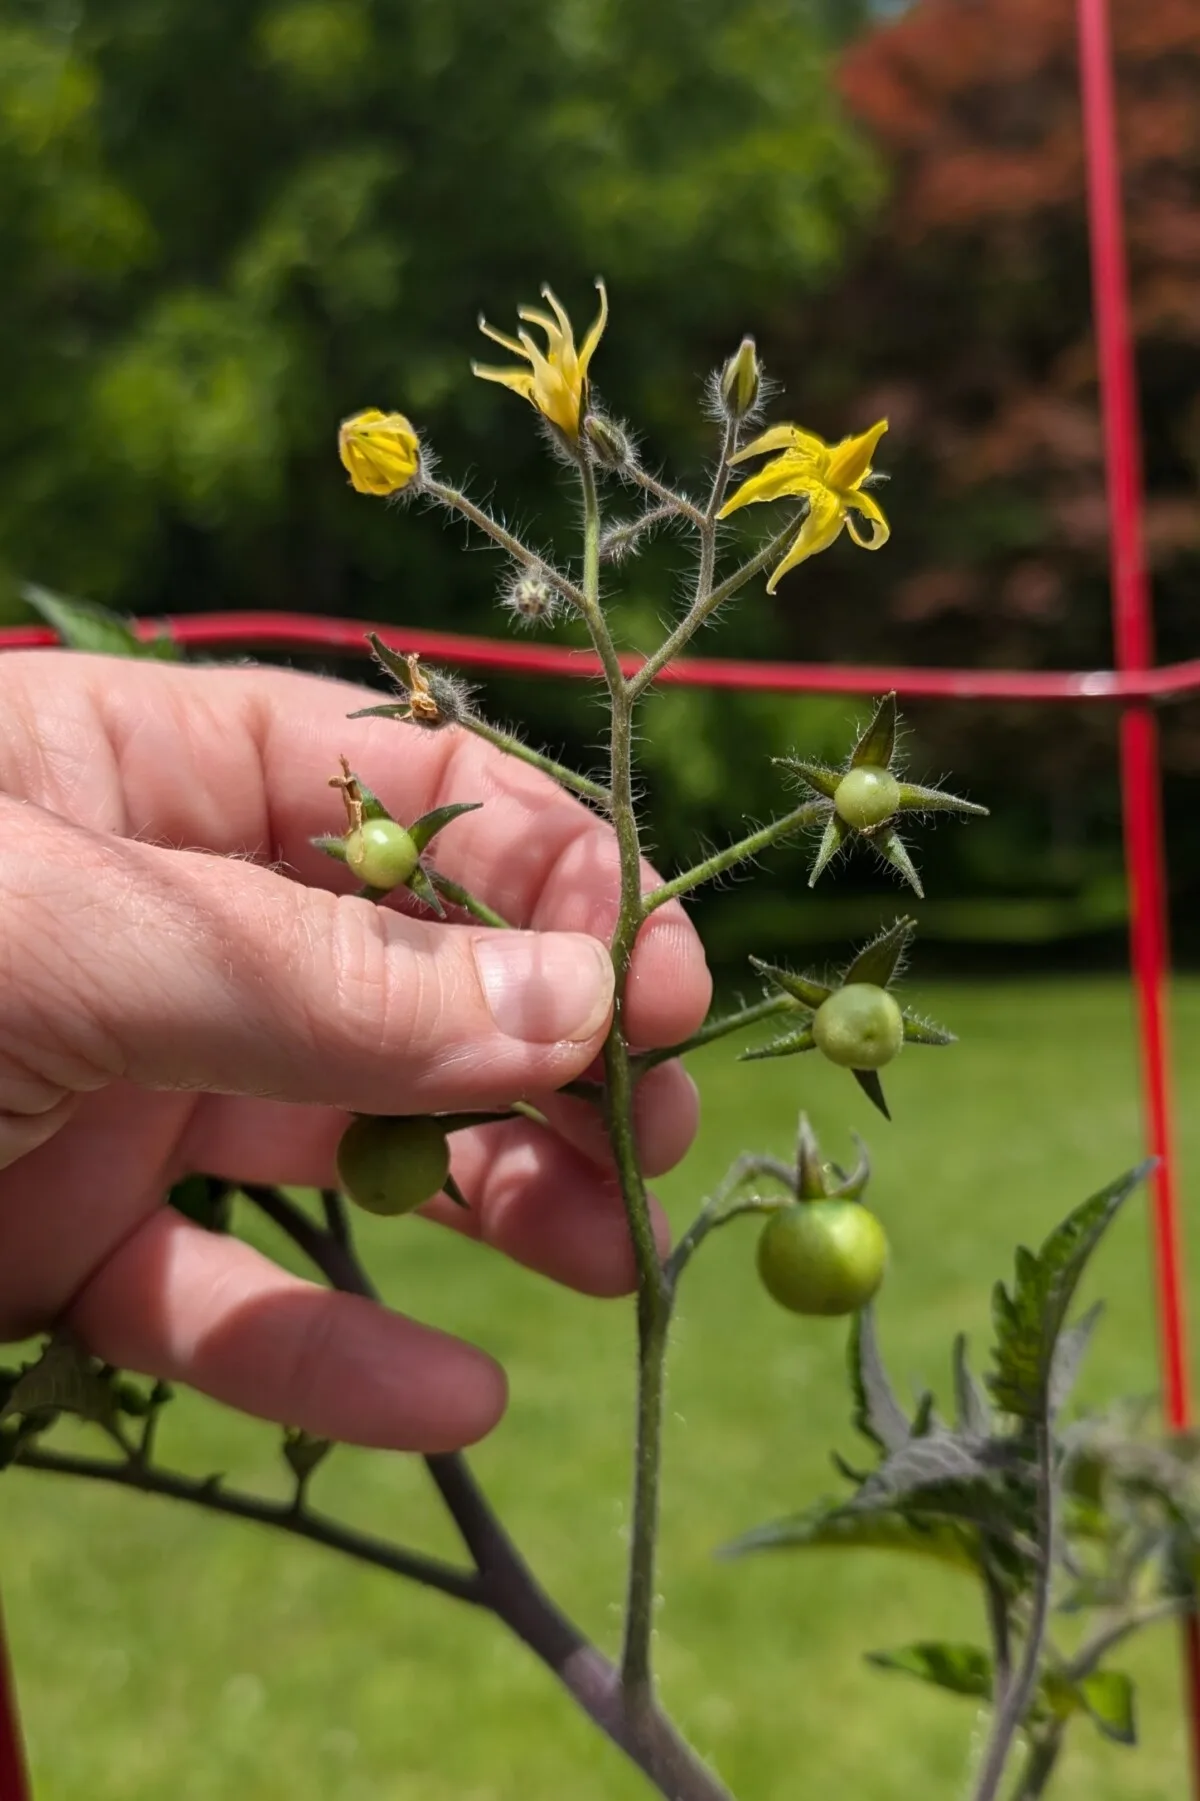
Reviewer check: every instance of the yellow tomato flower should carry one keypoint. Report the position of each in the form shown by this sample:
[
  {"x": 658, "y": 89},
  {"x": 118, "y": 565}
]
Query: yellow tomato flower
[
  {"x": 555, "y": 382},
  {"x": 829, "y": 476},
  {"x": 380, "y": 451}
]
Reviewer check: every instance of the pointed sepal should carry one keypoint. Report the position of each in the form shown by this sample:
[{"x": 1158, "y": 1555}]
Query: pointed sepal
[
  {"x": 816, "y": 775},
  {"x": 810, "y": 1168},
  {"x": 876, "y": 746},
  {"x": 832, "y": 839},
  {"x": 332, "y": 846},
  {"x": 803, "y": 988},
  {"x": 394, "y": 710},
  {"x": 792, "y": 1042},
  {"x": 851, "y": 1187},
  {"x": 451, "y": 1189},
  {"x": 430, "y": 824},
  {"x": 872, "y": 1087},
  {"x": 880, "y": 961},
  {"x": 891, "y": 847},
  {"x": 916, "y": 799},
  {"x": 419, "y": 884},
  {"x": 925, "y": 1031}
]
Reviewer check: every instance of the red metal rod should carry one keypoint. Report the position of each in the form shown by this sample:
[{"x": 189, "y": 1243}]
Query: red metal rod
[
  {"x": 14, "y": 1773},
  {"x": 1140, "y": 770},
  {"x": 302, "y": 633}
]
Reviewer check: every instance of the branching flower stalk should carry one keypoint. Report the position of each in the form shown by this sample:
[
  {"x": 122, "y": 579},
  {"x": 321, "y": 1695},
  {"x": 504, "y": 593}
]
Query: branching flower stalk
[{"x": 821, "y": 1252}]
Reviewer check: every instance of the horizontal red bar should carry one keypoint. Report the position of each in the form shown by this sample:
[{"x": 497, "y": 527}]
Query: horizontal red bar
[{"x": 347, "y": 637}]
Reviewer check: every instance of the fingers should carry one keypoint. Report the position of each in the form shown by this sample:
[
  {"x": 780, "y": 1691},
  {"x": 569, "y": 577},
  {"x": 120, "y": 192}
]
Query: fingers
[
  {"x": 272, "y": 1141},
  {"x": 531, "y": 1196},
  {"x": 179, "y": 1303},
  {"x": 172, "y": 969},
  {"x": 238, "y": 761}
]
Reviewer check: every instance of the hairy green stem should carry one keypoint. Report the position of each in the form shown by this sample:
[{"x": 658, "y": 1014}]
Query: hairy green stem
[
  {"x": 713, "y": 1029},
  {"x": 653, "y": 1302},
  {"x": 512, "y": 746},
  {"x": 796, "y": 821},
  {"x": 462, "y": 897},
  {"x": 727, "y": 1204},
  {"x": 722, "y": 472},
  {"x": 671, "y": 501},
  {"x": 457, "y": 502},
  {"x": 696, "y": 616},
  {"x": 1012, "y": 1708}
]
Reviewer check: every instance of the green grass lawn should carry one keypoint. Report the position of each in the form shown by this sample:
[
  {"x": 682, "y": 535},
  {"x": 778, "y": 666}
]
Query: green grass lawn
[{"x": 166, "y": 1656}]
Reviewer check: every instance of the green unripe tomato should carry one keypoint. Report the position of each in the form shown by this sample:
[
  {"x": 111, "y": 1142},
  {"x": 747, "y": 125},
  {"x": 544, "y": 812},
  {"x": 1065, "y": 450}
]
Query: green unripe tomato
[
  {"x": 392, "y": 1165},
  {"x": 866, "y": 797},
  {"x": 859, "y": 1026},
  {"x": 822, "y": 1257},
  {"x": 381, "y": 853}
]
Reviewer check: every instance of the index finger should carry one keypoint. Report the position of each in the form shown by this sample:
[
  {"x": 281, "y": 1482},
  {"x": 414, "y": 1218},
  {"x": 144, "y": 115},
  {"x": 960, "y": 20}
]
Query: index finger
[{"x": 238, "y": 760}]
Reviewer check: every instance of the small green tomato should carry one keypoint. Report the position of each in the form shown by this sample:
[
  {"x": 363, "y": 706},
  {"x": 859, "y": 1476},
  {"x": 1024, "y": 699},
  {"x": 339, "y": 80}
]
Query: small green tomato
[
  {"x": 393, "y": 1165},
  {"x": 859, "y": 1026},
  {"x": 822, "y": 1257},
  {"x": 381, "y": 853},
  {"x": 866, "y": 797}
]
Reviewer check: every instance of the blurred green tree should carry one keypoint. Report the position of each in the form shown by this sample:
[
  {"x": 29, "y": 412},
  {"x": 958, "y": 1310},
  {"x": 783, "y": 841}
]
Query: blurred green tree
[{"x": 225, "y": 226}]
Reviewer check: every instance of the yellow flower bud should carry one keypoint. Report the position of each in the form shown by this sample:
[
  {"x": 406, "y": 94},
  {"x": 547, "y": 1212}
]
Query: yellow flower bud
[
  {"x": 380, "y": 451},
  {"x": 741, "y": 379}
]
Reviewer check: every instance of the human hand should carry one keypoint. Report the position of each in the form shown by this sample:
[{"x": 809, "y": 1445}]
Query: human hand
[{"x": 167, "y": 1010}]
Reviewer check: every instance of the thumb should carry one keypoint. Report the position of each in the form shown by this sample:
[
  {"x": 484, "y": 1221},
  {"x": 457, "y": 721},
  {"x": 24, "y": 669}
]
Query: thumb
[{"x": 176, "y": 969}]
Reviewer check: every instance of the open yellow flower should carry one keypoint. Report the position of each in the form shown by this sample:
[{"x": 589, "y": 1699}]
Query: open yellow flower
[
  {"x": 555, "y": 382},
  {"x": 829, "y": 476},
  {"x": 380, "y": 451}
]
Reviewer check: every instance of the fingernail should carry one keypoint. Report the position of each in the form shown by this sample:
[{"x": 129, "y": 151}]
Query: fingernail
[{"x": 545, "y": 986}]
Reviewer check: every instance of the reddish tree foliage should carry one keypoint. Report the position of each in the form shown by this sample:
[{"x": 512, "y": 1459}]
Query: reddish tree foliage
[{"x": 967, "y": 318}]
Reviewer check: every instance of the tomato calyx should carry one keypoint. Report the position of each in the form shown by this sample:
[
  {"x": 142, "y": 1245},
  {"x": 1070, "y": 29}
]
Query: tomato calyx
[
  {"x": 854, "y": 1022},
  {"x": 864, "y": 799},
  {"x": 384, "y": 854}
]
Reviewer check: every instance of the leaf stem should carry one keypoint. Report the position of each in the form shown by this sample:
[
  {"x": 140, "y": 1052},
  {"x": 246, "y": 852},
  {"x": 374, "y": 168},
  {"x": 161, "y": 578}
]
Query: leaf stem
[
  {"x": 713, "y": 1029},
  {"x": 512, "y": 746},
  {"x": 796, "y": 821},
  {"x": 430, "y": 1572},
  {"x": 457, "y": 502},
  {"x": 670, "y": 500},
  {"x": 703, "y": 609},
  {"x": 727, "y": 1204}
]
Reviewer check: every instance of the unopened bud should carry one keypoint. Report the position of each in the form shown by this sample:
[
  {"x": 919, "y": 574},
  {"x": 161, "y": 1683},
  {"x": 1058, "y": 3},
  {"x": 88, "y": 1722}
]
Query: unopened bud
[
  {"x": 529, "y": 596},
  {"x": 740, "y": 380},
  {"x": 608, "y": 442}
]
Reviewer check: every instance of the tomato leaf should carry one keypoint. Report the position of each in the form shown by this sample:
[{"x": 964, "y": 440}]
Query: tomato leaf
[
  {"x": 1109, "y": 1700},
  {"x": 832, "y": 1526},
  {"x": 1029, "y": 1319},
  {"x": 972, "y": 1415},
  {"x": 63, "y": 1379},
  {"x": 878, "y": 1415},
  {"x": 960, "y": 1669},
  {"x": 81, "y": 625}
]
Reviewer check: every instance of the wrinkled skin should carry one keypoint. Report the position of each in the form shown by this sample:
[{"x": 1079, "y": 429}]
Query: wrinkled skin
[{"x": 165, "y": 1009}]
